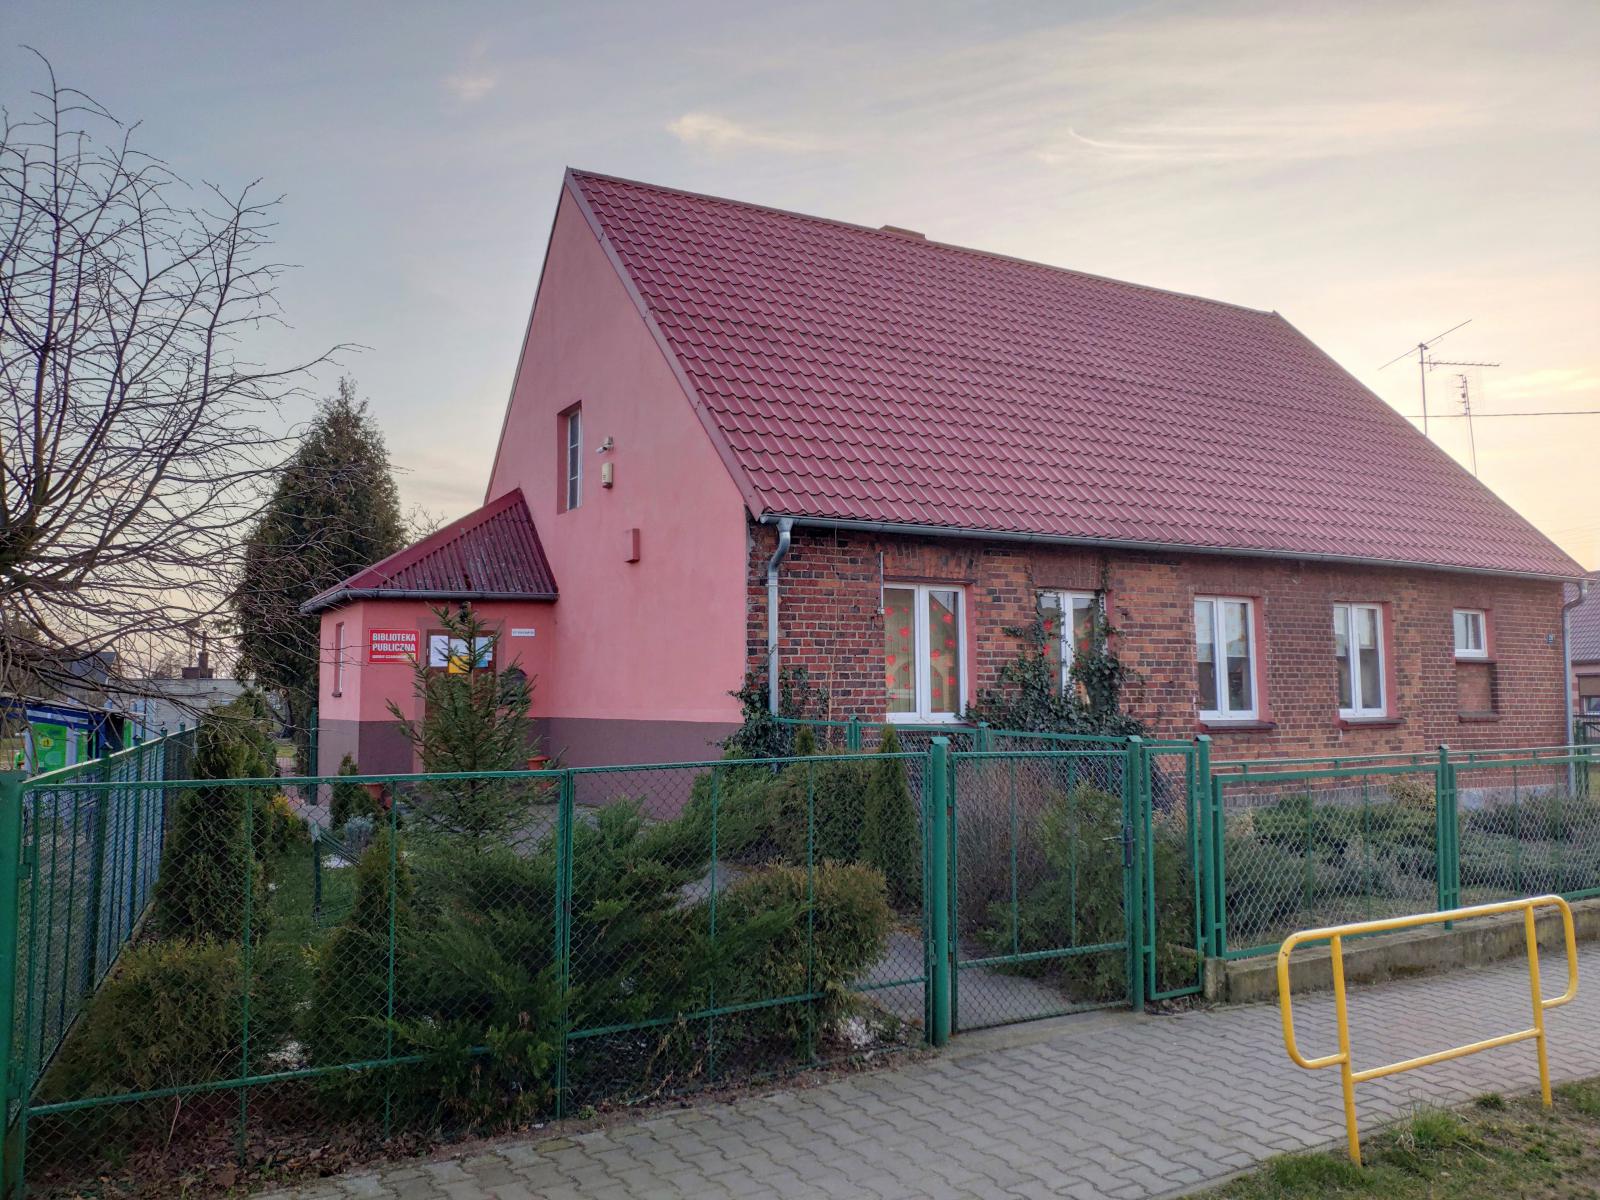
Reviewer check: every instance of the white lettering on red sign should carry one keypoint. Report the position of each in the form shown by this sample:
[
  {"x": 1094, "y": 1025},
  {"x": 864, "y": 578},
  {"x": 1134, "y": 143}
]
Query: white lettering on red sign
[{"x": 392, "y": 645}]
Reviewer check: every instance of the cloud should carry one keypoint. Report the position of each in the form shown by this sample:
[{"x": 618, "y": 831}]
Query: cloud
[
  {"x": 470, "y": 86},
  {"x": 475, "y": 79},
  {"x": 1306, "y": 131},
  {"x": 708, "y": 131}
]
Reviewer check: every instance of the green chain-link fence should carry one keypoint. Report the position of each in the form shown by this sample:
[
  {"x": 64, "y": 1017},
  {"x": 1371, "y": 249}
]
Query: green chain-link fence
[
  {"x": 209, "y": 977},
  {"x": 1311, "y": 842},
  {"x": 467, "y": 953}
]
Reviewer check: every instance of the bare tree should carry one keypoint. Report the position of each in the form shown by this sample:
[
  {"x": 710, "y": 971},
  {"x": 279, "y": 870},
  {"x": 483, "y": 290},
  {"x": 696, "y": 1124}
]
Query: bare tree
[{"x": 133, "y": 429}]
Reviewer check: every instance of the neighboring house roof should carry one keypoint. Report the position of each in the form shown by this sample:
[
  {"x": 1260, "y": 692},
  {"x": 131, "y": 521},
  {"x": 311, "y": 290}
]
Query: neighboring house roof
[
  {"x": 1583, "y": 624},
  {"x": 492, "y": 553},
  {"x": 859, "y": 376}
]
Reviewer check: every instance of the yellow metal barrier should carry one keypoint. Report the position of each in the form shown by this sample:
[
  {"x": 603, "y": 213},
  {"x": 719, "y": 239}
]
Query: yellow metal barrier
[{"x": 1334, "y": 935}]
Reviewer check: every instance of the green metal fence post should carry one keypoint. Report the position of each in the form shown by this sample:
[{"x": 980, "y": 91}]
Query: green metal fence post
[
  {"x": 13, "y": 1087},
  {"x": 97, "y": 871},
  {"x": 852, "y": 734},
  {"x": 1207, "y": 866},
  {"x": 1441, "y": 833},
  {"x": 983, "y": 736},
  {"x": 311, "y": 744},
  {"x": 1132, "y": 872},
  {"x": 246, "y": 970},
  {"x": 563, "y": 932},
  {"x": 316, "y": 877},
  {"x": 938, "y": 790}
]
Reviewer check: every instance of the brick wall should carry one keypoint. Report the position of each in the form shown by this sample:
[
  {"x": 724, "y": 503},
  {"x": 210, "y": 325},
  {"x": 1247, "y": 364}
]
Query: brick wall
[{"x": 831, "y": 624}]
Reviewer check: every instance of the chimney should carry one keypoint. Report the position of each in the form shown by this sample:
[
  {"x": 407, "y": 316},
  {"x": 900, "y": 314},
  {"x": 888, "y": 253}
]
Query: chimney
[{"x": 914, "y": 234}]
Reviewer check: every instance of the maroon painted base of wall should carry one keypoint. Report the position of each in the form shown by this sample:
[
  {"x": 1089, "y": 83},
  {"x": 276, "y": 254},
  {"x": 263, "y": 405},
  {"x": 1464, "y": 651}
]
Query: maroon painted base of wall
[{"x": 379, "y": 747}]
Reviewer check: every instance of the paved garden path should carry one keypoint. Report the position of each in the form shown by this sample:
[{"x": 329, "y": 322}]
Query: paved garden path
[{"x": 1099, "y": 1105}]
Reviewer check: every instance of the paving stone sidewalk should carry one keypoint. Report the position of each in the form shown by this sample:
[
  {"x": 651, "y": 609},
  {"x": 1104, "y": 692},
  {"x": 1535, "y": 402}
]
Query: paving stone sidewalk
[{"x": 1100, "y": 1105}]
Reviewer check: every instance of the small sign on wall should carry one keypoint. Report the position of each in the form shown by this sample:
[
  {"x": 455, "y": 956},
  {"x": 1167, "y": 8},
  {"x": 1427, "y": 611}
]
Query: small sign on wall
[
  {"x": 392, "y": 645},
  {"x": 524, "y": 632}
]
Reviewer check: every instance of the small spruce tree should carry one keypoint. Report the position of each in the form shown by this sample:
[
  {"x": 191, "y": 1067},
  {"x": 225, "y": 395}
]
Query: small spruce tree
[
  {"x": 349, "y": 799},
  {"x": 350, "y": 996},
  {"x": 889, "y": 836},
  {"x": 475, "y": 719},
  {"x": 209, "y": 866}
]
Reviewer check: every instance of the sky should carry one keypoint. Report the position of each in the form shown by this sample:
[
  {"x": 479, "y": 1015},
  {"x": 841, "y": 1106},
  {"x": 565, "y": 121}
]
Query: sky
[{"x": 1376, "y": 172}]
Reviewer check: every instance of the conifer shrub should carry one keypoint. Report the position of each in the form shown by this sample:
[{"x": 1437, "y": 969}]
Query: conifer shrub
[
  {"x": 349, "y": 1016},
  {"x": 348, "y": 799},
  {"x": 891, "y": 838},
  {"x": 214, "y": 849},
  {"x": 169, "y": 1014}
]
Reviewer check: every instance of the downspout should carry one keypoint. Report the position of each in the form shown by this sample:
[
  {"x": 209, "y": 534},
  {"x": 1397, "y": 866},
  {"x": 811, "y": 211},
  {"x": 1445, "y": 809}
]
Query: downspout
[
  {"x": 785, "y": 525},
  {"x": 1566, "y": 670}
]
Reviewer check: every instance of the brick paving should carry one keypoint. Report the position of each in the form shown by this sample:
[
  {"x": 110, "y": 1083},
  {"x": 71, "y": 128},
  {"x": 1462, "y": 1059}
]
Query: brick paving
[{"x": 1101, "y": 1105}]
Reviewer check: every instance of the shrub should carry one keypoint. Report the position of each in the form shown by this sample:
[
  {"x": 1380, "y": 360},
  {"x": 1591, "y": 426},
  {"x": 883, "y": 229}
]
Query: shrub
[
  {"x": 169, "y": 1015},
  {"x": 786, "y": 931},
  {"x": 891, "y": 840},
  {"x": 208, "y": 868},
  {"x": 819, "y": 809},
  {"x": 1411, "y": 793},
  {"x": 1266, "y": 886},
  {"x": 1079, "y": 899},
  {"x": 349, "y": 799},
  {"x": 278, "y": 828},
  {"x": 349, "y": 1003},
  {"x": 761, "y": 734}
]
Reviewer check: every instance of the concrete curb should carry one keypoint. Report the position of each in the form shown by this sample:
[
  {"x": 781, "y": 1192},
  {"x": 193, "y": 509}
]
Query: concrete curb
[{"x": 1399, "y": 955}]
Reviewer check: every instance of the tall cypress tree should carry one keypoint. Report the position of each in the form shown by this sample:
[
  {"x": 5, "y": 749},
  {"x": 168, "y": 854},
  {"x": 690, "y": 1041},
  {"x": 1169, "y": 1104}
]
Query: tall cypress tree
[{"x": 334, "y": 511}]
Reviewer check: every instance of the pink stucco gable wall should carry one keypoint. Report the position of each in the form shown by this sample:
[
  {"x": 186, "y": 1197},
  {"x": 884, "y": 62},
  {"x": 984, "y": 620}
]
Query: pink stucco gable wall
[{"x": 657, "y": 641}]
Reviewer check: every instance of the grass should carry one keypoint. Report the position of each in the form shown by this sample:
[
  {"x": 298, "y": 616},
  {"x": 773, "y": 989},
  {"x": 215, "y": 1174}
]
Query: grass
[
  {"x": 1497, "y": 1148},
  {"x": 292, "y": 914}
]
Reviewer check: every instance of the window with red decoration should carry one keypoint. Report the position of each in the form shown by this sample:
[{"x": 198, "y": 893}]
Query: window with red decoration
[{"x": 924, "y": 641}]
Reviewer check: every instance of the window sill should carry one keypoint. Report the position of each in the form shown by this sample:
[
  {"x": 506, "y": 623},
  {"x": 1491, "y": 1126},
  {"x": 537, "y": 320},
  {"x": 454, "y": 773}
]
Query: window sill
[
  {"x": 1370, "y": 722},
  {"x": 1477, "y": 718},
  {"x": 1220, "y": 725},
  {"x": 1474, "y": 658}
]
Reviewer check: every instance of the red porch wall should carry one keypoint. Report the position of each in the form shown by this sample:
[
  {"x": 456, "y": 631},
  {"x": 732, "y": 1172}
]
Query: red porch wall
[
  {"x": 829, "y": 611},
  {"x": 357, "y": 720}
]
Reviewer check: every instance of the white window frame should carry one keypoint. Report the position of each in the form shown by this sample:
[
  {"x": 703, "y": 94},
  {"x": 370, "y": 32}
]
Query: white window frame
[
  {"x": 1359, "y": 709},
  {"x": 1220, "y": 659},
  {"x": 572, "y": 460},
  {"x": 338, "y": 658},
  {"x": 1066, "y": 603},
  {"x": 1482, "y": 650},
  {"x": 921, "y": 663}
]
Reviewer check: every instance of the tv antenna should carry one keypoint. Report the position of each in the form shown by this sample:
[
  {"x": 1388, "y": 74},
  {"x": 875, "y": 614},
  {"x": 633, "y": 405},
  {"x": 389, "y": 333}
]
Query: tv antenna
[{"x": 1421, "y": 351}]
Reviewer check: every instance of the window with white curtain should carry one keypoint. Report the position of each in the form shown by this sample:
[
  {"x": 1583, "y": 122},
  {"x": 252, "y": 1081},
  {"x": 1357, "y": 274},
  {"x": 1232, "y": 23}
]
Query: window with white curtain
[
  {"x": 1225, "y": 657},
  {"x": 1358, "y": 651},
  {"x": 1471, "y": 633}
]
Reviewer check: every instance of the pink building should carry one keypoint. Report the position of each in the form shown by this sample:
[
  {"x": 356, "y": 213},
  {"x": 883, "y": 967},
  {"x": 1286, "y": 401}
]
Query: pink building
[{"x": 740, "y": 436}]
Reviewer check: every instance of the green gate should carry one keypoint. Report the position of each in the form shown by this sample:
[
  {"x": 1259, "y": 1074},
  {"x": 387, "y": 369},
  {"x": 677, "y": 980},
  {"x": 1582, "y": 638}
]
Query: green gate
[{"x": 1075, "y": 878}]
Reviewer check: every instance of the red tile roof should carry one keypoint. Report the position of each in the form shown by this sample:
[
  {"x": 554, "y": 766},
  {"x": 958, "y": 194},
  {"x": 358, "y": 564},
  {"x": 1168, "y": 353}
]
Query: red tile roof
[
  {"x": 1584, "y": 625},
  {"x": 859, "y": 375},
  {"x": 492, "y": 553}
]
